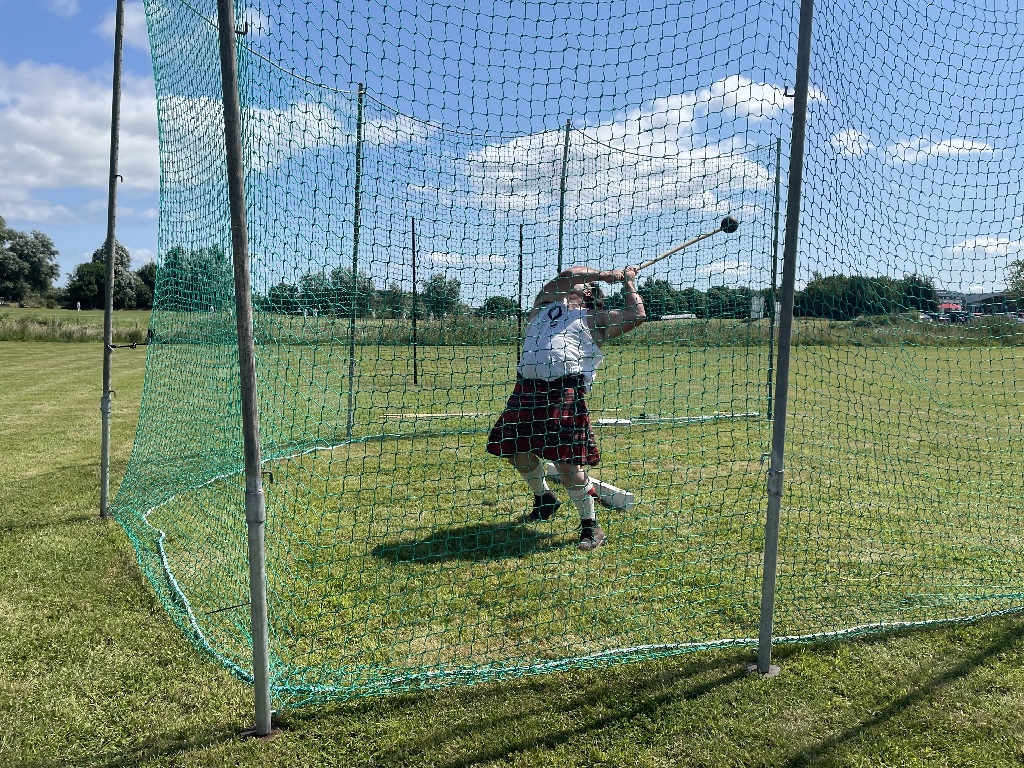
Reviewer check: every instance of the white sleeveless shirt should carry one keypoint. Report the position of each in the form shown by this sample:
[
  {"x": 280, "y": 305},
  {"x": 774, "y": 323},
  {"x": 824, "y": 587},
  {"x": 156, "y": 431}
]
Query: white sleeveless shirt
[{"x": 558, "y": 343}]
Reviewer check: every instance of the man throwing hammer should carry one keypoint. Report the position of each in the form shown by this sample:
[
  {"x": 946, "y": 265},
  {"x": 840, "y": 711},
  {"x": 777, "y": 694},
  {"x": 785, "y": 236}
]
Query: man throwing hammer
[{"x": 546, "y": 415}]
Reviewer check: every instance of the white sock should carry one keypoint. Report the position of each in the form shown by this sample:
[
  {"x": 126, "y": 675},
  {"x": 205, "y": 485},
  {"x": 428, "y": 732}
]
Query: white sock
[
  {"x": 535, "y": 478},
  {"x": 584, "y": 501}
]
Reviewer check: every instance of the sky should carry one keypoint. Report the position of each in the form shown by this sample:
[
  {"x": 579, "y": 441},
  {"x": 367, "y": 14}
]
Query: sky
[
  {"x": 56, "y": 65},
  {"x": 912, "y": 135}
]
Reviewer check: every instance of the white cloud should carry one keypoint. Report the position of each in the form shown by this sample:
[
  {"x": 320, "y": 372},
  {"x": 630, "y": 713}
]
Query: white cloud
[
  {"x": 136, "y": 34},
  {"x": 272, "y": 135},
  {"x": 97, "y": 207},
  {"x": 141, "y": 256},
  {"x": 56, "y": 128},
  {"x": 920, "y": 148},
  {"x": 63, "y": 8},
  {"x": 655, "y": 158},
  {"x": 726, "y": 268},
  {"x": 668, "y": 125},
  {"x": 441, "y": 257},
  {"x": 851, "y": 142},
  {"x": 259, "y": 24},
  {"x": 987, "y": 246},
  {"x": 650, "y": 158},
  {"x": 18, "y": 205}
]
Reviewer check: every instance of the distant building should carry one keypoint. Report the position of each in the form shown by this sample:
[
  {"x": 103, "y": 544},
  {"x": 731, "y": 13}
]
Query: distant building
[
  {"x": 951, "y": 301},
  {"x": 989, "y": 303}
]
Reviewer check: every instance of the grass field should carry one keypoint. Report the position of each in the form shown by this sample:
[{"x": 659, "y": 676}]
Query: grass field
[
  {"x": 398, "y": 558},
  {"x": 92, "y": 672}
]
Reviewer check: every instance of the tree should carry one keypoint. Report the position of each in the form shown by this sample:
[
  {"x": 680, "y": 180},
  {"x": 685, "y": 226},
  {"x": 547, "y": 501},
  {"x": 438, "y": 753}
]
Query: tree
[
  {"x": 498, "y": 306},
  {"x": 659, "y": 297},
  {"x": 870, "y": 296},
  {"x": 919, "y": 293},
  {"x": 128, "y": 286},
  {"x": 347, "y": 291},
  {"x": 122, "y": 259},
  {"x": 822, "y": 297},
  {"x": 441, "y": 295},
  {"x": 28, "y": 263},
  {"x": 86, "y": 285},
  {"x": 838, "y": 297},
  {"x": 733, "y": 303},
  {"x": 395, "y": 302},
  {"x": 1015, "y": 280},
  {"x": 283, "y": 299},
  {"x": 317, "y": 295},
  {"x": 147, "y": 274},
  {"x": 197, "y": 281},
  {"x": 693, "y": 302}
]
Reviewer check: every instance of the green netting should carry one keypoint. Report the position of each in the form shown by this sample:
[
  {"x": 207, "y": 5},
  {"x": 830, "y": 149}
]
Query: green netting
[{"x": 518, "y": 138}]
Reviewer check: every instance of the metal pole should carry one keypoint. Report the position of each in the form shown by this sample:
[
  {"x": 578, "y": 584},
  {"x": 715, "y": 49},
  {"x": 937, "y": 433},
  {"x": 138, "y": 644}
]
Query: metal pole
[
  {"x": 355, "y": 263},
  {"x": 415, "y": 368},
  {"x": 108, "y": 302},
  {"x": 775, "y": 271},
  {"x": 561, "y": 193},
  {"x": 255, "y": 508},
  {"x": 776, "y": 468},
  {"x": 519, "y": 314}
]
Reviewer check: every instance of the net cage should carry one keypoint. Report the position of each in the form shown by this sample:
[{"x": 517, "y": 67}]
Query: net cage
[{"x": 416, "y": 171}]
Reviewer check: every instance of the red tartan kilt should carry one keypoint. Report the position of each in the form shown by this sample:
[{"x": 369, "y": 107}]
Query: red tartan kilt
[{"x": 547, "y": 418}]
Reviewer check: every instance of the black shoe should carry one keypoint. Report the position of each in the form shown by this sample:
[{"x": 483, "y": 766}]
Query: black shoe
[
  {"x": 591, "y": 537},
  {"x": 544, "y": 507}
]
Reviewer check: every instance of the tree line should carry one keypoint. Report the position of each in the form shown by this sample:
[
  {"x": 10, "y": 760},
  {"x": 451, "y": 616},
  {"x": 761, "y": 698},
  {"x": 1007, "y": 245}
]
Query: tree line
[
  {"x": 202, "y": 280},
  {"x": 836, "y": 297},
  {"x": 340, "y": 293},
  {"x": 719, "y": 301},
  {"x": 28, "y": 269}
]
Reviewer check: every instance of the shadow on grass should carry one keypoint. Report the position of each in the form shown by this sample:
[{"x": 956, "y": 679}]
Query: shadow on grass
[
  {"x": 161, "y": 750},
  {"x": 22, "y": 526},
  {"x": 507, "y": 718},
  {"x": 484, "y": 541},
  {"x": 816, "y": 754}
]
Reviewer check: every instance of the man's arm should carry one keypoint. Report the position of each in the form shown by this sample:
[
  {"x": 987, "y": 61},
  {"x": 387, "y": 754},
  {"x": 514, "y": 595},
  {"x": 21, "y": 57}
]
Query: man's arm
[
  {"x": 610, "y": 325},
  {"x": 568, "y": 279}
]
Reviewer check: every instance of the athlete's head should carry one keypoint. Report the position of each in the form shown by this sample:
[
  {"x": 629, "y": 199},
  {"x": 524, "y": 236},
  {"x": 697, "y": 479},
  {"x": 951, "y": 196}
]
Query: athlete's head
[{"x": 592, "y": 296}]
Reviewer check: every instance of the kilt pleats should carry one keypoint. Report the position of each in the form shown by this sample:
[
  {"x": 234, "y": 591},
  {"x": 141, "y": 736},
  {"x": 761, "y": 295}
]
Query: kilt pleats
[{"x": 547, "y": 418}]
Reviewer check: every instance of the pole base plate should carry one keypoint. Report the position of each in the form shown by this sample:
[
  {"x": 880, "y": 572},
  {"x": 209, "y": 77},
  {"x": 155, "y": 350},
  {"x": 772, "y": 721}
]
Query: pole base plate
[
  {"x": 773, "y": 670},
  {"x": 250, "y": 733}
]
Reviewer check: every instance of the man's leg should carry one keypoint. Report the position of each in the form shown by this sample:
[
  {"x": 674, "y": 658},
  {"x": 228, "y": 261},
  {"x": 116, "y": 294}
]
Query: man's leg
[
  {"x": 581, "y": 491},
  {"x": 532, "y": 469}
]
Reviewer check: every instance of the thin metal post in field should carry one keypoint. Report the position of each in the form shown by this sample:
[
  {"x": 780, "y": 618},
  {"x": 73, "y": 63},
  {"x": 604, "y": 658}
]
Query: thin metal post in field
[
  {"x": 519, "y": 304},
  {"x": 108, "y": 298},
  {"x": 415, "y": 366},
  {"x": 777, "y": 466},
  {"x": 255, "y": 503},
  {"x": 772, "y": 297},
  {"x": 354, "y": 298},
  {"x": 561, "y": 193}
]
